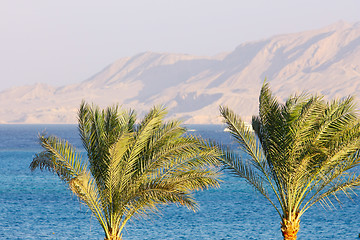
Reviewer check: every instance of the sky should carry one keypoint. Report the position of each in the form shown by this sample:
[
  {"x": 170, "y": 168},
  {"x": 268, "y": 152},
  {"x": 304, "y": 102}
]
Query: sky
[{"x": 65, "y": 42}]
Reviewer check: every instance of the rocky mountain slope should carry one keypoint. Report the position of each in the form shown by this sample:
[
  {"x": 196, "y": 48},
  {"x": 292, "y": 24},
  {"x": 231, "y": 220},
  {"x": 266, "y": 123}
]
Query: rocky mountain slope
[{"x": 325, "y": 61}]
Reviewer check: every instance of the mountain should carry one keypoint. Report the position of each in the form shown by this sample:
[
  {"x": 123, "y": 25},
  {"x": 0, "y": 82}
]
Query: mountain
[{"x": 325, "y": 61}]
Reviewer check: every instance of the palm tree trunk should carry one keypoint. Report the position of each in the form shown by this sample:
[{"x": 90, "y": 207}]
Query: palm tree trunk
[
  {"x": 114, "y": 237},
  {"x": 290, "y": 228}
]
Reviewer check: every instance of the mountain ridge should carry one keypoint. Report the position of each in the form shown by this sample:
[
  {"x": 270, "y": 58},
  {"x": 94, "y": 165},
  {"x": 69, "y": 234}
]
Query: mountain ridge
[{"x": 325, "y": 61}]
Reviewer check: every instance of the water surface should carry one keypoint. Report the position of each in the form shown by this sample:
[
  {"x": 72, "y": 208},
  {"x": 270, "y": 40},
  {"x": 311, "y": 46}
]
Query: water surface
[{"x": 37, "y": 205}]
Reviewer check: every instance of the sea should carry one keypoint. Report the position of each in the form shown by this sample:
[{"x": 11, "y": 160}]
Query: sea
[{"x": 37, "y": 205}]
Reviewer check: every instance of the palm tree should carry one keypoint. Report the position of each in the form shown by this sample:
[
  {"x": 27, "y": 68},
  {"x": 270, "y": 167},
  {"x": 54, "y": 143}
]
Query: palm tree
[
  {"x": 298, "y": 153},
  {"x": 130, "y": 168}
]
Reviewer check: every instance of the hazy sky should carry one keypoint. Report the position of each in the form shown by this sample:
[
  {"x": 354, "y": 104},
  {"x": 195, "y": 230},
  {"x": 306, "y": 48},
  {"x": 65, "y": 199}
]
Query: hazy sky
[{"x": 67, "y": 41}]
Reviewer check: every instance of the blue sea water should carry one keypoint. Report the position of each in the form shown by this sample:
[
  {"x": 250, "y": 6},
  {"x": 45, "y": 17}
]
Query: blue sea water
[{"x": 36, "y": 205}]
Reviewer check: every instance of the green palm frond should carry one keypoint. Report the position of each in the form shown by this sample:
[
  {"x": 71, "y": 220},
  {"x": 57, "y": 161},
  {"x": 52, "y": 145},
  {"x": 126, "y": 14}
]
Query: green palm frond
[
  {"x": 245, "y": 138},
  {"x": 85, "y": 188},
  {"x": 43, "y": 161},
  {"x": 257, "y": 170},
  {"x": 60, "y": 157},
  {"x": 244, "y": 169}
]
